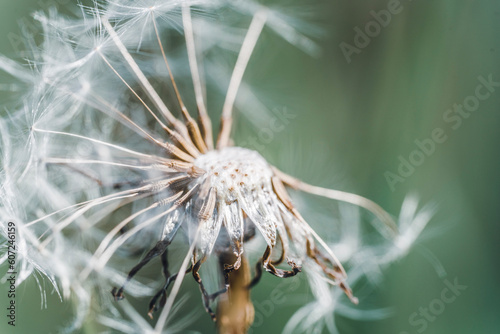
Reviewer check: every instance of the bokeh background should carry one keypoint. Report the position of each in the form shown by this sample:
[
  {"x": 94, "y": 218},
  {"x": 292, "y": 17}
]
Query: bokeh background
[{"x": 354, "y": 119}]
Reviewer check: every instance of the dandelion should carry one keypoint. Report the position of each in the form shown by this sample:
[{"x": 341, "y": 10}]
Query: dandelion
[{"x": 116, "y": 172}]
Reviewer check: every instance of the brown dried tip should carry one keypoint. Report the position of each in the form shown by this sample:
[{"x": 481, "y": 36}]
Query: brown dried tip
[
  {"x": 117, "y": 294},
  {"x": 349, "y": 294}
]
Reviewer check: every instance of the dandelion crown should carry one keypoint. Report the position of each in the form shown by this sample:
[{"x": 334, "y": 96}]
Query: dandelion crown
[{"x": 178, "y": 182}]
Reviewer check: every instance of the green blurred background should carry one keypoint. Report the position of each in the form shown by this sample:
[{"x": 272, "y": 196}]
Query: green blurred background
[{"x": 357, "y": 118}]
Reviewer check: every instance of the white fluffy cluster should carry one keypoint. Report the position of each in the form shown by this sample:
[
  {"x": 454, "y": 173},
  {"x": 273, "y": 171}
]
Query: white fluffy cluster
[{"x": 65, "y": 139}]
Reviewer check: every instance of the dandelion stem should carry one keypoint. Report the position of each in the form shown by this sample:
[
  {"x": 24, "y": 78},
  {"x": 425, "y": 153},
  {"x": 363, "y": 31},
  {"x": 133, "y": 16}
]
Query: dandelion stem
[{"x": 235, "y": 311}]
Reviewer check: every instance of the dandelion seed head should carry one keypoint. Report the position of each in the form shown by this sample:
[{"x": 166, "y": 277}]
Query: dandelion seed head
[
  {"x": 235, "y": 170},
  {"x": 111, "y": 167}
]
